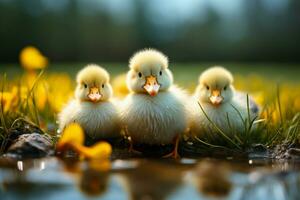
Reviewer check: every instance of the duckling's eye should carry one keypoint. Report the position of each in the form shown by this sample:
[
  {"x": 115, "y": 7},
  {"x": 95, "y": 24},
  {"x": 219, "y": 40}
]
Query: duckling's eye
[
  {"x": 140, "y": 74},
  {"x": 85, "y": 85},
  {"x": 160, "y": 73},
  {"x": 102, "y": 85},
  {"x": 207, "y": 87},
  {"x": 225, "y": 88}
]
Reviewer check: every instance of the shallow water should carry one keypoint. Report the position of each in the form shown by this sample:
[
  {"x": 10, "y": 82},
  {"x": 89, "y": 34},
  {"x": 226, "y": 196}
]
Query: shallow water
[{"x": 145, "y": 179}]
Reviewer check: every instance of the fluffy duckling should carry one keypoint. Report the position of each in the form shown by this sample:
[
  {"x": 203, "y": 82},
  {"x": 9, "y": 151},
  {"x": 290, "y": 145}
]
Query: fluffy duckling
[
  {"x": 217, "y": 96},
  {"x": 154, "y": 112},
  {"x": 92, "y": 107}
]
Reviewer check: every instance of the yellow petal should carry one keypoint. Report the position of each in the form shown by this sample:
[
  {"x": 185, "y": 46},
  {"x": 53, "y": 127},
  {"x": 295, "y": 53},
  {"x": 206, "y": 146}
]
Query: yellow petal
[
  {"x": 31, "y": 58},
  {"x": 8, "y": 100},
  {"x": 99, "y": 151},
  {"x": 72, "y": 136},
  {"x": 40, "y": 96}
]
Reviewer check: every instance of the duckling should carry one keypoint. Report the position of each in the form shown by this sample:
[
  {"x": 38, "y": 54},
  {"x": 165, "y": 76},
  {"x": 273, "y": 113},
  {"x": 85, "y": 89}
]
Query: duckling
[
  {"x": 217, "y": 96},
  {"x": 92, "y": 106},
  {"x": 153, "y": 113}
]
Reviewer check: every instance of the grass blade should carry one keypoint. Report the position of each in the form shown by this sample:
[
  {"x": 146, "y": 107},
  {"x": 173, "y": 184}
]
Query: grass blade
[
  {"x": 239, "y": 113},
  {"x": 32, "y": 88},
  {"x": 229, "y": 124},
  {"x": 36, "y": 81},
  {"x": 217, "y": 128},
  {"x": 259, "y": 121},
  {"x": 241, "y": 117},
  {"x": 248, "y": 109},
  {"x": 273, "y": 138},
  {"x": 279, "y": 105},
  {"x": 3, "y": 122},
  {"x": 35, "y": 110},
  {"x": 211, "y": 145}
]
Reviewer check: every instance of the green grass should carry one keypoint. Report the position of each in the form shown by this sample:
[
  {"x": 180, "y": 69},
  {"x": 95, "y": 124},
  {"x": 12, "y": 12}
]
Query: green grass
[
  {"x": 27, "y": 112},
  {"x": 266, "y": 132}
]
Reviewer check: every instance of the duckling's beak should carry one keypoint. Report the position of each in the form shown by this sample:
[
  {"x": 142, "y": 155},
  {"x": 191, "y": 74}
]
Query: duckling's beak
[
  {"x": 151, "y": 85},
  {"x": 216, "y": 98},
  {"x": 94, "y": 94}
]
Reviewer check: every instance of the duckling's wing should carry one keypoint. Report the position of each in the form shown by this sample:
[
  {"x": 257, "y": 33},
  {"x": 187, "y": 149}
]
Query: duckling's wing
[{"x": 241, "y": 97}]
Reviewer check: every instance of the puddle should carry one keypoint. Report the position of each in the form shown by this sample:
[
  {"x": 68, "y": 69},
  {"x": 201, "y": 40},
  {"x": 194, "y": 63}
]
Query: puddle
[{"x": 146, "y": 179}]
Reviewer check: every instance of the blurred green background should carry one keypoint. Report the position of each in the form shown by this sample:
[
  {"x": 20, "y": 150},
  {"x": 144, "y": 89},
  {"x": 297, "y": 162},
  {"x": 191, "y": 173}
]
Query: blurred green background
[{"x": 186, "y": 30}]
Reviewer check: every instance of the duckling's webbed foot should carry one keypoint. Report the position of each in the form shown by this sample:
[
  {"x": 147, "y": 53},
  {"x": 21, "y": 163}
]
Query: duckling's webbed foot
[
  {"x": 174, "y": 154},
  {"x": 131, "y": 148}
]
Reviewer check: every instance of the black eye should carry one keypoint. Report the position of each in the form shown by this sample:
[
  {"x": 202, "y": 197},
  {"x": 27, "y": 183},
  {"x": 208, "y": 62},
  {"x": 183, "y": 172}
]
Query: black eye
[
  {"x": 102, "y": 85},
  {"x": 140, "y": 74},
  {"x": 225, "y": 87},
  {"x": 85, "y": 85},
  {"x": 160, "y": 73},
  {"x": 207, "y": 87}
]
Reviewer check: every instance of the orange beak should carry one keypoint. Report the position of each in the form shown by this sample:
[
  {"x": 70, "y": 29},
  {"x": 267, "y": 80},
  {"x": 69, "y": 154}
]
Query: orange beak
[
  {"x": 216, "y": 98},
  {"x": 151, "y": 85},
  {"x": 94, "y": 94}
]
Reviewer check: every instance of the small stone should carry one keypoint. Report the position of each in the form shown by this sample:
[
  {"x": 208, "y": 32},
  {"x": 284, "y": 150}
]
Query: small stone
[
  {"x": 259, "y": 148},
  {"x": 32, "y": 145},
  {"x": 294, "y": 152}
]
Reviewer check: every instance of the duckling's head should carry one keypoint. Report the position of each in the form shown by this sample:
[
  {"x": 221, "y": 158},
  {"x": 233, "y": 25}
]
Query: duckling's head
[
  {"x": 215, "y": 86},
  {"x": 149, "y": 72},
  {"x": 93, "y": 84}
]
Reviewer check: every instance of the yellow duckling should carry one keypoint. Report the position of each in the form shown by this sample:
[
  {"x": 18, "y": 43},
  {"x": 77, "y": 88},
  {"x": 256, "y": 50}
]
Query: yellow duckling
[
  {"x": 92, "y": 107},
  {"x": 217, "y": 96},
  {"x": 154, "y": 112}
]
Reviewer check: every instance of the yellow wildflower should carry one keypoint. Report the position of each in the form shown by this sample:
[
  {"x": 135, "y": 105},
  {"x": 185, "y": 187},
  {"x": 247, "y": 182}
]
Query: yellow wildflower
[
  {"x": 73, "y": 137},
  {"x": 57, "y": 95},
  {"x": 6, "y": 99},
  {"x": 29, "y": 79},
  {"x": 100, "y": 151},
  {"x": 119, "y": 86},
  {"x": 40, "y": 94},
  {"x": 275, "y": 116},
  {"x": 31, "y": 58},
  {"x": 9, "y": 100},
  {"x": 297, "y": 104},
  {"x": 57, "y": 101},
  {"x": 259, "y": 98}
]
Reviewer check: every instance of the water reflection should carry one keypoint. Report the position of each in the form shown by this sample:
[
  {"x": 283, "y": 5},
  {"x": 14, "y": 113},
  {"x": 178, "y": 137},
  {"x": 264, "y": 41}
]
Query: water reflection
[
  {"x": 93, "y": 183},
  {"x": 92, "y": 176},
  {"x": 148, "y": 179},
  {"x": 212, "y": 179},
  {"x": 152, "y": 180},
  {"x": 274, "y": 186}
]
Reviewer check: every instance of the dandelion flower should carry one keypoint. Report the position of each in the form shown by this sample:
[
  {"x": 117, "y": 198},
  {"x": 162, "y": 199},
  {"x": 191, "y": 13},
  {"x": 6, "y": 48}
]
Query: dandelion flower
[{"x": 31, "y": 58}]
